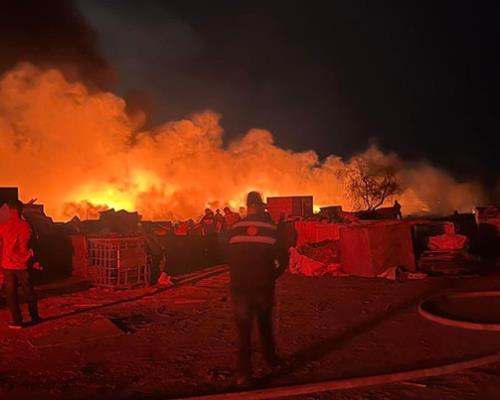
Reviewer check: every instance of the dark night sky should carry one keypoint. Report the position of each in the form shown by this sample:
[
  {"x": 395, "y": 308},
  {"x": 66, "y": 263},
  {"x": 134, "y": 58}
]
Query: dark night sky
[{"x": 421, "y": 79}]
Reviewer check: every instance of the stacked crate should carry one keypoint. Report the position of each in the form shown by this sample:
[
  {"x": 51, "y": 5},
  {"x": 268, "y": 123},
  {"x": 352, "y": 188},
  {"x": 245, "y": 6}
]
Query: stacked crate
[{"x": 117, "y": 261}]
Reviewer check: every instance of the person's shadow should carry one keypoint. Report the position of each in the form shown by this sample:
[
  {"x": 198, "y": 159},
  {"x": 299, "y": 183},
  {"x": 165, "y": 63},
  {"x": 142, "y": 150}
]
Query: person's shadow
[{"x": 318, "y": 350}]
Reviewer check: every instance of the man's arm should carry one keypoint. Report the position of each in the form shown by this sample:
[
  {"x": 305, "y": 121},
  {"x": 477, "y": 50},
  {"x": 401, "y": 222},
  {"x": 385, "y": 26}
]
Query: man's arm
[
  {"x": 281, "y": 250},
  {"x": 24, "y": 239}
]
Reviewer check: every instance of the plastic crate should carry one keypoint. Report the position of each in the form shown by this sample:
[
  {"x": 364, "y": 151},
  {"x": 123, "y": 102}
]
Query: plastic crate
[
  {"x": 120, "y": 278},
  {"x": 118, "y": 261}
]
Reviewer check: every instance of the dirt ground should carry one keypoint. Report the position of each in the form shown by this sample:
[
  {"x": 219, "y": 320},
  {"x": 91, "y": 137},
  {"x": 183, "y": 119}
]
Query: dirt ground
[{"x": 180, "y": 342}]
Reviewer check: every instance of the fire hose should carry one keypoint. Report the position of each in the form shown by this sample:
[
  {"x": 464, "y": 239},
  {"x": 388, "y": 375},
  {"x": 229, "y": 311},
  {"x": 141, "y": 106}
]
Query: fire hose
[
  {"x": 359, "y": 382},
  {"x": 351, "y": 383},
  {"x": 426, "y": 311}
]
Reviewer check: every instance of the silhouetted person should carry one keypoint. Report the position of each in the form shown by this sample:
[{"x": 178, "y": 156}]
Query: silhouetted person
[
  {"x": 220, "y": 222},
  {"x": 254, "y": 248},
  {"x": 15, "y": 234},
  {"x": 287, "y": 232},
  {"x": 397, "y": 208},
  {"x": 208, "y": 222},
  {"x": 230, "y": 217}
]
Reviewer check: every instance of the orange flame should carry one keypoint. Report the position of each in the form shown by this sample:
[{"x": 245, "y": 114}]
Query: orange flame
[{"x": 79, "y": 152}]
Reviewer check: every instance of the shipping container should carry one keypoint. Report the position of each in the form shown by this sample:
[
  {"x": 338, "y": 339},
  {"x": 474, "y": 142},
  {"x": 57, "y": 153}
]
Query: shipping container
[{"x": 290, "y": 206}]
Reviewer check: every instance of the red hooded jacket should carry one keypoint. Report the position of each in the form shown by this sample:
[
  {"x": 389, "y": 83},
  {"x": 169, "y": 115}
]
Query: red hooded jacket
[{"x": 14, "y": 244}]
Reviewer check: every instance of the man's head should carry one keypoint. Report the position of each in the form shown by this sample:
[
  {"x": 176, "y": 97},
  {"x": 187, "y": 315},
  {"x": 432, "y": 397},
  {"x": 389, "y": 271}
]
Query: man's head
[
  {"x": 255, "y": 203},
  {"x": 15, "y": 208},
  {"x": 227, "y": 210}
]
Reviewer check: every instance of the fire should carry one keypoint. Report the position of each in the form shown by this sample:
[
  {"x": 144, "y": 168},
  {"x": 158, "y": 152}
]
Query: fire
[{"x": 79, "y": 152}]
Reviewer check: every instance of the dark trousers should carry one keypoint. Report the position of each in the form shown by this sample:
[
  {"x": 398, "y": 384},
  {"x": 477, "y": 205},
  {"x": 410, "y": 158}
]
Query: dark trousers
[
  {"x": 248, "y": 306},
  {"x": 12, "y": 279}
]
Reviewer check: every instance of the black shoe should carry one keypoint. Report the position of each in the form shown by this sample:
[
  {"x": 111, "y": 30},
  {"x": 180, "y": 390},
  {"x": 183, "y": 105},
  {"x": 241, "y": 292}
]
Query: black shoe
[
  {"x": 275, "y": 361},
  {"x": 36, "y": 320}
]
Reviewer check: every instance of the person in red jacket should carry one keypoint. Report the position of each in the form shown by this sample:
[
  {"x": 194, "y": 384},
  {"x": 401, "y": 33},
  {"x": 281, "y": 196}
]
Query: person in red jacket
[{"x": 15, "y": 234}]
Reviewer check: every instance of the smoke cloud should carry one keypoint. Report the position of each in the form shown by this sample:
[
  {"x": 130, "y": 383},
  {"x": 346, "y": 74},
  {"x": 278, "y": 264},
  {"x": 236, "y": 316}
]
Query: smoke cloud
[
  {"x": 78, "y": 152},
  {"x": 52, "y": 34}
]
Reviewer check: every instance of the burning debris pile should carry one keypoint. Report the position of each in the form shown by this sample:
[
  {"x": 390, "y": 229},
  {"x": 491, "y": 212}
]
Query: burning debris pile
[
  {"x": 317, "y": 247},
  {"x": 81, "y": 153},
  {"x": 85, "y": 157}
]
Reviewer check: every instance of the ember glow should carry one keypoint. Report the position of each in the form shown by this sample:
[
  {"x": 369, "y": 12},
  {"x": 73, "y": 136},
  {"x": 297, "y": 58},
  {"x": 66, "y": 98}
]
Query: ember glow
[{"x": 79, "y": 152}]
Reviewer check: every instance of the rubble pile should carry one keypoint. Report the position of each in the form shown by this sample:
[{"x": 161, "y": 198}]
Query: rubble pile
[
  {"x": 447, "y": 254},
  {"x": 447, "y": 262},
  {"x": 326, "y": 252},
  {"x": 316, "y": 259}
]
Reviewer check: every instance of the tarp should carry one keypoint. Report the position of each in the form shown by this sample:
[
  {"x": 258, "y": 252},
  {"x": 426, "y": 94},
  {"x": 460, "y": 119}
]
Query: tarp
[
  {"x": 370, "y": 249},
  {"x": 315, "y": 231},
  {"x": 325, "y": 252},
  {"x": 303, "y": 265}
]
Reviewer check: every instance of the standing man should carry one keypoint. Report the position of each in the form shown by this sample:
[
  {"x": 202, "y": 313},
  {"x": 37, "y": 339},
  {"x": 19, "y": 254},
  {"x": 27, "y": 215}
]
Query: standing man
[
  {"x": 15, "y": 234},
  {"x": 256, "y": 259},
  {"x": 230, "y": 217},
  {"x": 208, "y": 222},
  {"x": 220, "y": 222},
  {"x": 397, "y": 209}
]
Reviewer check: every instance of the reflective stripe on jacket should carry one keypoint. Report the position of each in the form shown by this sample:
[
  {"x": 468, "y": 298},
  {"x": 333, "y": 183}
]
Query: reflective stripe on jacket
[{"x": 253, "y": 254}]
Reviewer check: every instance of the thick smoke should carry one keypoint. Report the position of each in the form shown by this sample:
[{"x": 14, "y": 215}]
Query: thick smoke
[
  {"x": 52, "y": 33},
  {"x": 79, "y": 152}
]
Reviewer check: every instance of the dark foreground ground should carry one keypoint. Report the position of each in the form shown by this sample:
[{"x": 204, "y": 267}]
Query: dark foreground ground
[{"x": 180, "y": 342}]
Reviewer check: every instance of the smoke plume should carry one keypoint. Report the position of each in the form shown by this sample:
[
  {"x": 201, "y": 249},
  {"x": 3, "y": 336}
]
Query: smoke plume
[
  {"x": 52, "y": 34},
  {"x": 78, "y": 152}
]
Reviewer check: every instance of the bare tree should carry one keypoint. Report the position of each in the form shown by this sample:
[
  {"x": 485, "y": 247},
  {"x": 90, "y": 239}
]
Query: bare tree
[{"x": 369, "y": 183}]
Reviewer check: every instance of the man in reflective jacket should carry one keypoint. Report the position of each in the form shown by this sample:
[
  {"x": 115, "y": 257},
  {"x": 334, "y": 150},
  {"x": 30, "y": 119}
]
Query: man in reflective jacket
[{"x": 256, "y": 258}]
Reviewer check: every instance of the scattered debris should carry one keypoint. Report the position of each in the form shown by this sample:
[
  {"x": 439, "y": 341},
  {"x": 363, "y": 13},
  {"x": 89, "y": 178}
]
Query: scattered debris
[
  {"x": 326, "y": 251},
  {"x": 131, "y": 323},
  {"x": 165, "y": 280},
  {"x": 447, "y": 262},
  {"x": 303, "y": 265},
  {"x": 399, "y": 273},
  {"x": 416, "y": 275},
  {"x": 391, "y": 273}
]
